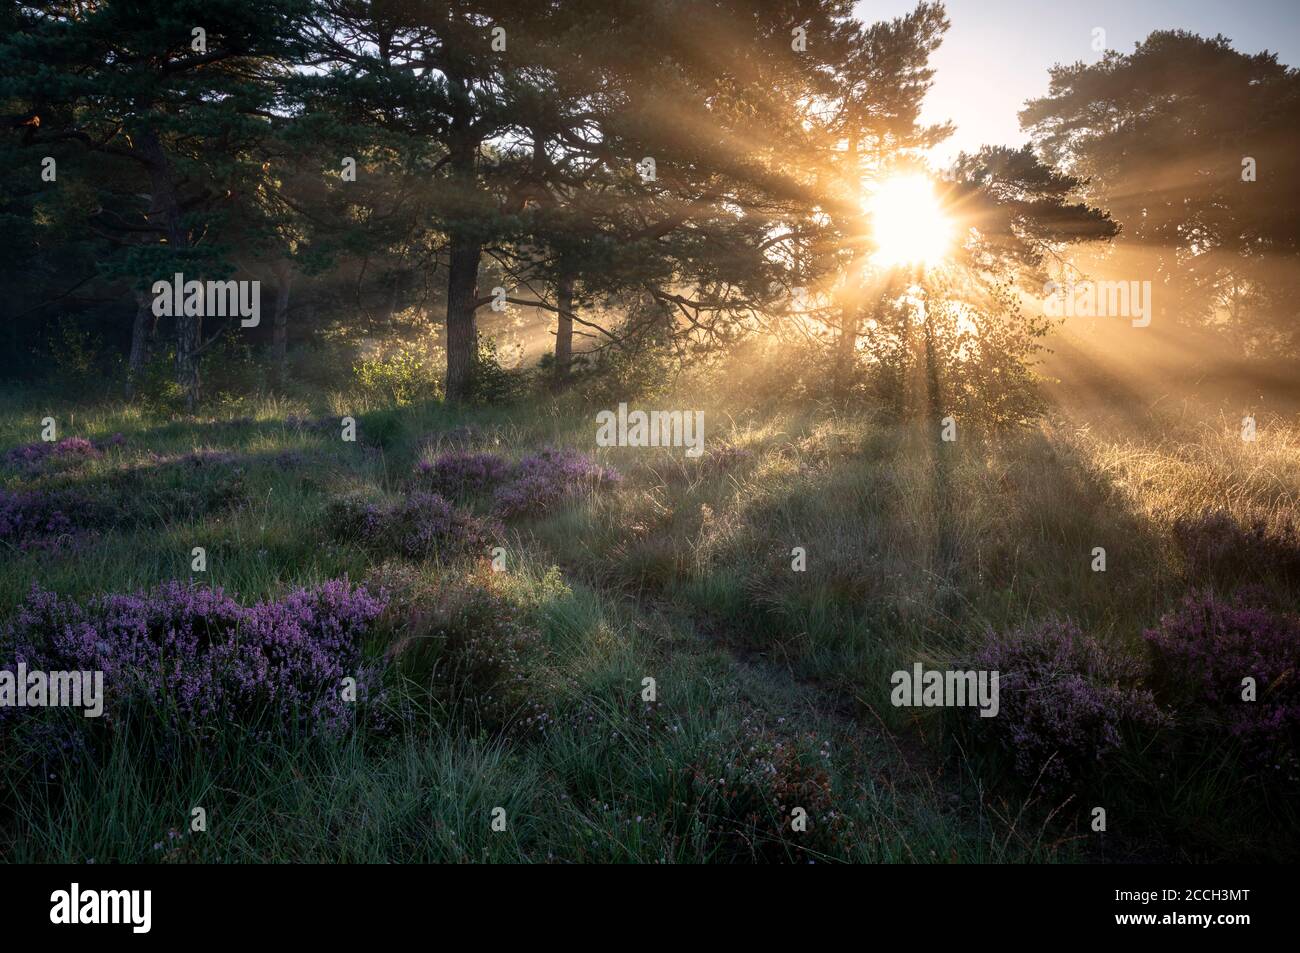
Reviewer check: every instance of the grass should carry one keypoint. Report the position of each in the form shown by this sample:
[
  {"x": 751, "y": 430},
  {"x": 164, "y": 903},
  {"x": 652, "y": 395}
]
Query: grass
[{"x": 774, "y": 681}]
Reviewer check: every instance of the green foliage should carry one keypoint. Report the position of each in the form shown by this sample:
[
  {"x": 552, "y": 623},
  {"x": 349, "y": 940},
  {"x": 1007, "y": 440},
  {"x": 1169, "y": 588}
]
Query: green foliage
[
  {"x": 233, "y": 370},
  {"x": 491, "y": 382},
  {"x": 157, "y": 389},
  {"x": 77, "y": 355},
  {"x": 407, "y": 373},
  {"x": 1124, "y": 121},
  {"x": 623, "y": 375}
]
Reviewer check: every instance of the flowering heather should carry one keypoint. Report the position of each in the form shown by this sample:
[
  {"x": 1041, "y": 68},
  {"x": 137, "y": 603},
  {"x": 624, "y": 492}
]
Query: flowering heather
[
  {"x": 548, "y": 477},
  {"x": 728, "y": 456},
  {"x": 1066, "y": 701},
  {"x": 747, "y": 791},
  {"x": 43, "y": 519},
  {"x": 1203, "y": 650},
  {"x": 199, "y": 658},
  {"x": 34, "y": 456},
  {"x": 1218, "y": 547},
  {"x": 460, "y": 472},
  {"x": 418, "y": 525}
]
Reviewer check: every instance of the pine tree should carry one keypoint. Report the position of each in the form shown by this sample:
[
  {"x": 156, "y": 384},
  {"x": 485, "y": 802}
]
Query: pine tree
[{"x": 179, "y": 91}]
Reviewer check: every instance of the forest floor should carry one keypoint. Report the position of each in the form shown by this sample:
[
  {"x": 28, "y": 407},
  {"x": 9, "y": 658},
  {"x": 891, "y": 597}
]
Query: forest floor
[{"x": 772, "y": 686}]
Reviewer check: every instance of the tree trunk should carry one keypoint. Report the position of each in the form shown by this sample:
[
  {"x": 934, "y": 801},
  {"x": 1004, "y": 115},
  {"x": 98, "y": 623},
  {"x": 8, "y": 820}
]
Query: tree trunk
[
  {"x": 933, "y": 392},
  {"x": 280, "y": 340},
  {"x": 166, "y": 203},
  {"x": 139, "y": 343},
  {"x": 848, "y": 346},
  {"x": 394, "y": 298},
  {"x": 462, "y": 335},
  {"x": 564, "y": 331}
]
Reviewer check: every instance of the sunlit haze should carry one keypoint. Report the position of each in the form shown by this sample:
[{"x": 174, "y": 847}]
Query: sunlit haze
[{"x": 908, "y": 224}]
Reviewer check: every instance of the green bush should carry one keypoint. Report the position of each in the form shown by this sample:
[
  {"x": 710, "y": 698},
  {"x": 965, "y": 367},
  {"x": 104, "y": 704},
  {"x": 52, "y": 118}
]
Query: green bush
[
  {"x": 623, "y": 375},
  {"x": 76, "y": 354},
  {"x": 492, "y": 382},
  {"x": 405, "y": 374}
]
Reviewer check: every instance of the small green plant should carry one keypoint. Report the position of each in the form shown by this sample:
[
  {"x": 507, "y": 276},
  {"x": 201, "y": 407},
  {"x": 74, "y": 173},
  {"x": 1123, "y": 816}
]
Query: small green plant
[
  {"x": 76, "y": 354},
  {"x": 406, "y": 373},
  {"x": 157, "y": 389},
  {"x": 493, "y": 383},
  {"x": 620, "y": 375}
]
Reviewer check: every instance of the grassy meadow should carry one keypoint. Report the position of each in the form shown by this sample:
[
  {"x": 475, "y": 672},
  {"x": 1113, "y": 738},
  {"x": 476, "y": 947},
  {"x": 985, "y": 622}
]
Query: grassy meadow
[{"x": 520, "y": 685}]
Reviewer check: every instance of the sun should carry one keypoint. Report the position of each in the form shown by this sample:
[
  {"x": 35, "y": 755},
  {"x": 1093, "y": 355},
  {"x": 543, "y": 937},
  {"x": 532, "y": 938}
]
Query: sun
[{"x": 908, "y": 223}]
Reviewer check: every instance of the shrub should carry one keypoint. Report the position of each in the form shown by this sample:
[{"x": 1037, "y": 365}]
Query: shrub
[
  {"x": 1203, "y": 650},
  {"x": 404, "y": 375},
  {"x": 1066, "y": 702},
  {"x": 469, "y": 644},
  {"x": 747, "y": 796},
  {"x": 156, "y": 388},
  {"x": 33, "y": 457},
  {"x": 418, "y": 525},
  {"x": 1218, "y": 547},
  {"x": 197, "y": 658},
  {"x": 231, "y": 371},
  {"x": 624, "y": 375},
  {"x": 460, "y": 473},
  {"x": 490, "y": 381},
  {"x": 44, "y": 519},
  {"x": 77, "y": 355},
  {"x": 546, "y": 478}
]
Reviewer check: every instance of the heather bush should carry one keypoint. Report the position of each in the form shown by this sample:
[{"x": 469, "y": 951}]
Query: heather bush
[
  {"x": 1201, "y": 653},
  {"x": 416, "y": 526},
  {"x": 45, "y": 519},
  {"x": 1217, "y": 547},
  {"x": 745, "y": 796},
  {"x": 1067, "y": 703},
  {"x": 461, "y": 473},
  {"x": 546, "y": 478},
  {"x": 469, "y": 644},
  {"x": 195, "y": 661},
  {"x": 32, "y": 458}
]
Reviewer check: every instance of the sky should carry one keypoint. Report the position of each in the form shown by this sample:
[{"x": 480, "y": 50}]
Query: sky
[{"x": 997, "y": 52}]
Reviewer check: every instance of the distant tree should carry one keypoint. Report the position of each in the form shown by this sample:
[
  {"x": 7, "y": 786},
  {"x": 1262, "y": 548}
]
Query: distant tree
[
  {"x": 976, "y": 345},
  {"x": 425, "y": 82},
  {"x": 686, "y": 189},
  {"x": 178, "y": 92},
  {"x": 1162, "y": 137},
  {"x": 865, "y": 124},
  {"x": 539, "y": 114}
]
